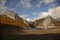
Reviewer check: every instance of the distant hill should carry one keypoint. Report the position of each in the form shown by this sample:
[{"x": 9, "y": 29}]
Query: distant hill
[
  {"x": 11, "y": 18},
  {"x": 47, "y": 22}
]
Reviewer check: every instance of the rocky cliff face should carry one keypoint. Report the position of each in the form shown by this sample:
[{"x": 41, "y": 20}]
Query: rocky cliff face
[
  {"x": 10, "y": 18},
  {"x": 47, "y": 22},
  {"x": 10, "y": 14}
]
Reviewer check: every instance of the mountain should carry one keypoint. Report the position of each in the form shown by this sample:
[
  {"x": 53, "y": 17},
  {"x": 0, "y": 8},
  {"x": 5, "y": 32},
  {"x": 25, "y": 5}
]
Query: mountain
[
  {"x": 10, "y": 14},
  {"x": 11, "y": 18},
  {"x": 47, "y": 22}
]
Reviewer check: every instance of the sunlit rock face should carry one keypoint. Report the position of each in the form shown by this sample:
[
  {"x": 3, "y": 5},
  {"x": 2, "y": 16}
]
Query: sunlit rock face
[
  {"x": 39, "y": 23},
  {"x": 10, "y": 18},
  {"x": 10, "y": 14},
  {"x": 48, "y": 22}
]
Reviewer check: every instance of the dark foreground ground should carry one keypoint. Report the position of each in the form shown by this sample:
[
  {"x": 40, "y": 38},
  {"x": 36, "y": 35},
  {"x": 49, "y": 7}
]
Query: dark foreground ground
[
  {"x": 30, "y": 37},
  {"x": 10, "y": 32}
]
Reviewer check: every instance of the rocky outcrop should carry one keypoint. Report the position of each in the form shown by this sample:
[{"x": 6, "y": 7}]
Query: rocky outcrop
[
  {"x": 47, "y": 22},
  {"x": 10, "y": 18}
]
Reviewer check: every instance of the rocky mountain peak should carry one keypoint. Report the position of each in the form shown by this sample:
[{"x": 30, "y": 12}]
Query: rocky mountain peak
[{"x": 10, "y": 14}]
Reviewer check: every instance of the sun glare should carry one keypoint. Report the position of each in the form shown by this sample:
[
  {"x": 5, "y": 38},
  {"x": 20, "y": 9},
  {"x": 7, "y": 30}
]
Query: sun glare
[{"x": 28, "y": 19}]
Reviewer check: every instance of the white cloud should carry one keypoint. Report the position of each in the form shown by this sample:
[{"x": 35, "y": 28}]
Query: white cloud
[
  {"x": 2, "y": 6},
  {"x": 48, "y": 1},
  {"x": 44, "y": 14},
  {"x": 34, "y": 13},
  {"x": 54, "y": 12},
  {"x": 39, "y": 4},
  {"x": 26, "y": 3},
  {"x": 24, "y": 16},
  {"x": 2, "y": 9},
  {"x": 2, "y": 2},
  {"x": 53, "y": 5}
]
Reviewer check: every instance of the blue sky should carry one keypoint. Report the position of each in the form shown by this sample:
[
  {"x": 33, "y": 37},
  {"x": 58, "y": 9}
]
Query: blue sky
[{"x": 31, "y": 9}]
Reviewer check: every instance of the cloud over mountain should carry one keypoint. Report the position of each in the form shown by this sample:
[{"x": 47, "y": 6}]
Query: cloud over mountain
[
  {"x": 2, "y": 6},
  {"x": 54, "y": 12},
  {"x": 49, "y": 1}
]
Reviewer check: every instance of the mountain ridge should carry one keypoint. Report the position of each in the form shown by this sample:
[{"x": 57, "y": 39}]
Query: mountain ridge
[
  {"x": 48, "y": 21},
  {"x": 13, "y": 20}
]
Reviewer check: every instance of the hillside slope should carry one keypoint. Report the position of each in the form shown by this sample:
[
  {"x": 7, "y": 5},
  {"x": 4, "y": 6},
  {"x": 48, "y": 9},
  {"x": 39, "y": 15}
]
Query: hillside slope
[
  {"x": 6, "y": 18},
  {"x": 47, "y": 22}
]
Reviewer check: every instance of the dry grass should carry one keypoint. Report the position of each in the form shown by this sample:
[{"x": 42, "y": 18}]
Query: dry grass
[
  {"x": 38, "y": 32},
  {"x": 9, "y": 21}
]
